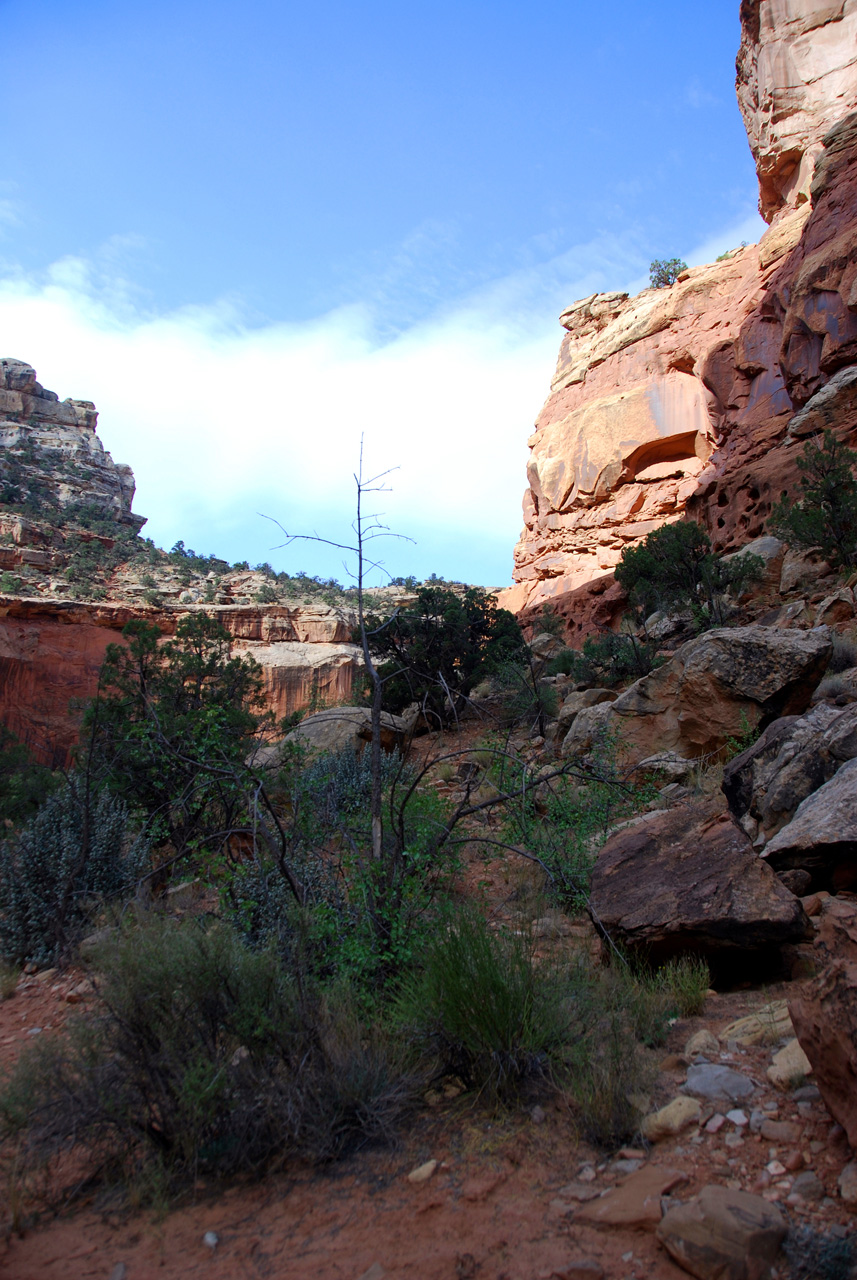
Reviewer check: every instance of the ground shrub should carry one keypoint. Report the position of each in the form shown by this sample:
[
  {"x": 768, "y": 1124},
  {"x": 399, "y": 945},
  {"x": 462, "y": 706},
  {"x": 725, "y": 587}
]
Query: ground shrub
[
  {"x": 491, "y": 1014},
  {"x": 77, "y": 851},
  {"x": 204, "y": 1058},
  {"x": 844, "y": 655},
  {"x": 610, "y": 659},
  {"x": 825, "y": 519}
]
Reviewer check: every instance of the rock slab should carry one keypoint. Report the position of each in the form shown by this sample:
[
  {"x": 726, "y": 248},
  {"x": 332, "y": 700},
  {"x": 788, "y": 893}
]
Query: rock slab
[{"x": 724, "y": 1235}]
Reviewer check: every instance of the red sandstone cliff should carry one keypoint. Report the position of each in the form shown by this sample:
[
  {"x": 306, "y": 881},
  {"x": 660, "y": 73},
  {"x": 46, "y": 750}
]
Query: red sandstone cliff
[{"x": 680, "y": 400}]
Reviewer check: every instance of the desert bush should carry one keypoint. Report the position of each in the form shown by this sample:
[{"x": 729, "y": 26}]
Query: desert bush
[
  {"x": 686, "y": 980},
  {"x": 674, "y": 567},
  {"x": 436, "y": 650},
  {"x": 491, "y": 1014},
  {"x": 813, "y": 1254},
  {"x": 204, "y": 1057},
  {"x": 664, "y": 272},
  {"x": 76, "y": 851},
  {"x": 844, "y": 655},
  {"x": 24, "y": 784},
  {"x": 825, "y": 519},
  {"x": 612, "y": 658}
]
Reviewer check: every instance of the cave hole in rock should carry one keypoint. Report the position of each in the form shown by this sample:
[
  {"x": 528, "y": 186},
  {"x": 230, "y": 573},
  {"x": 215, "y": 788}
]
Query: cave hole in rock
[{"x": 660, "y": 459}]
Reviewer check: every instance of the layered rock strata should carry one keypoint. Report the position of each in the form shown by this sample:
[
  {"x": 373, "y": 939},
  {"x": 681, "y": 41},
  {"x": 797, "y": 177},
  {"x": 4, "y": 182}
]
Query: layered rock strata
[
  {"x": 50, "y": 453},
  {"x": 695, "y": 400},
  {"x": 51, "y": 653}
]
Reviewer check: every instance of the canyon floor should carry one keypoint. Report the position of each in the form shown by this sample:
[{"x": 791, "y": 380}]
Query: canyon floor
[{"x": 508, "y": 1199}]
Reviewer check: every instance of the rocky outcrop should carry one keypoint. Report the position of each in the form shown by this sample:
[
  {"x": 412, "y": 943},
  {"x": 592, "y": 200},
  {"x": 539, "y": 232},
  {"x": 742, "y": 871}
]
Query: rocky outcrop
[
  {"x": 824, "y": 1013},
  {"x": 688, "y": 880},
  {"x": 51, "y": 653},
  {"x": 714, "y": 688},
  {"x": 822, "y": 836},
  {"x": 797, "y": 73},
  {"x": 724, "y": 1235},
  {"x": 795, "y": 755},
  {"x": 50, "y": 455},
  {"x": 348, "y": 728},
  {"x": 678, "y": 402}
]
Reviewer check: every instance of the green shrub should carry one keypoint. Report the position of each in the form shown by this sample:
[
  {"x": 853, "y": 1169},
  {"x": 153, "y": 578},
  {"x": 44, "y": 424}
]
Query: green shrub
[
  {"x": 491, "y": 1014},
  {"x": 674, "y": 567},
  {"x": 687, "y": 980},
  {"x": 825, "y": 519},
  {"x": 24, "y": 784},
  {"x": 612, "y": 658},
  {"x": 664, "y": 272},
  {"x": 76, "y": 850},
  {"x": 205, "y": 1057}
]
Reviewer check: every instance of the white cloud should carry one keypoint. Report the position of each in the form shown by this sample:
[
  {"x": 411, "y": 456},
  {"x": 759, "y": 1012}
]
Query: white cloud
[{"x": 220, "y": 419}]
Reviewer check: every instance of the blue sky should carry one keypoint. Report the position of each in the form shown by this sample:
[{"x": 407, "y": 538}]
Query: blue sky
[{"x": 249, "y": 234}]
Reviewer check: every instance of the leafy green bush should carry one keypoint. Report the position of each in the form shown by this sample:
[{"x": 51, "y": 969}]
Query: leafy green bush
[
  {"x": 204, "y": 1057},
  {"x": 612, "y": 658},
  {"x": 76, "y": 850},
  {"x": 825, "y": 519},
  {"x": 664, "y": 272},
  {"x": 674, "y": 567},
  {"x": 436, "y": 650}
]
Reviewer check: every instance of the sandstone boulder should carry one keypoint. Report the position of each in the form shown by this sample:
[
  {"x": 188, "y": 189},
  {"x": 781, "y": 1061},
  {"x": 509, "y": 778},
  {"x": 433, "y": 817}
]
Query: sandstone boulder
[
  {"x": 711, "y": 690},
  {"x": 724, "y": 1235},
  {"x": 687, "y": 880},
  {"x": 577, "y": 702},
  {"x": 824, "y": 1013},
  {"x": 822, "y": 836},
  {"x": 792, "y": 758},
  {"x": 344, "y": 728}
]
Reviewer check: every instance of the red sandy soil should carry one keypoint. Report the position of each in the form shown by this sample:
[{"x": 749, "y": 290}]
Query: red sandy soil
[{"x": 494, "y": 1207}]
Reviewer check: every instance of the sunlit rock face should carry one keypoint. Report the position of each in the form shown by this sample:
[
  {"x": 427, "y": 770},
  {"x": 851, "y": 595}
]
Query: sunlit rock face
[
  {"x": 797, "y": 75},
  {"x": 678, "y": 401}
]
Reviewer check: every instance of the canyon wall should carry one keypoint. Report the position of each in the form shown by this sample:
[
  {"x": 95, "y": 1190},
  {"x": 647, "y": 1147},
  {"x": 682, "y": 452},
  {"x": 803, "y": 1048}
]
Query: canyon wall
[
  {"x": 679, "y": 401},
  {"x": 51, "y": 652},
  {"x": 55, "y": 477}
]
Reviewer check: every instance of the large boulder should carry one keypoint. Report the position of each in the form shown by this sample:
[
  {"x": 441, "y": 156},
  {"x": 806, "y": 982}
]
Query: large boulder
[
  {"x": 714, "y": 688},
  {"x": 724, "y": 1234},
  {"x": 344, "y": 728},
  {"x": 792, "y": 758},
  {"x": 687, "y": 880},
  {"x": 824, "y": 1015},
  {"x": 822, "y": 836}
]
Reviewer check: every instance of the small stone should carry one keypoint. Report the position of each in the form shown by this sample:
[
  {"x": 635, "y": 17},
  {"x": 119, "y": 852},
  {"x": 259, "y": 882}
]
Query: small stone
[
  {"x": 579, "y": 1269},
  {"x": 671, "y": 1119},
  {"x": 538, "y": 1115},
  {"x": 780, "y": 1130},
  {"x": 807, "y": 1093},
  {"x": 119, "y": 1272},
  {"x": 623, "y": 1167},
  {"x": 713, "y": 1081},
  {"x": 579, "y": 1191},
  {"x": 794, "y": 1162},
  {"x": 716, "y": 1123},
  {"x": 733, "y": 1140},
  {"x": 789, "y": 1067},
  {"x": 757, "y": 1119},
  {"x": 586, "y": 1173},
  {"x": 762, "y": 1182},
  {"x": 422, "y": 1173},
  {"x": 848, "y": 1183},
  {"x": 738, "y": 1118},
  {"x": 631, "y": 1153},
  {"x": 775, "y": 1168},
  {"x": 212, "y": 1239},
  {"x": 701, "y": 1042},
  {"x": 375, "y": 1272},
  {"x": 808, "y": 1186}
]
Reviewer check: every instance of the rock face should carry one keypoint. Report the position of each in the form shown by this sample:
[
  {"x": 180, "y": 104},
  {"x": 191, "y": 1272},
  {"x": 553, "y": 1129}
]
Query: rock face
[
  {"x": 822, "y": 836},
  {"x": 687, "y": 880},
  {"x": 51, "y": 653},
  {"x": 797, "y": 73},
  {"x": 678, "y": 401},
  {"x": 713, "y": 688},
  {"x": 50, "y": 454},
  {"x": 824, "y": 1014}
]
